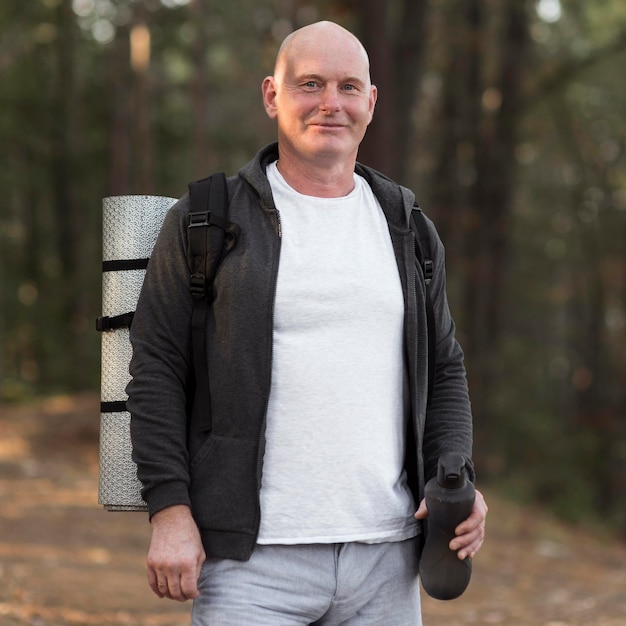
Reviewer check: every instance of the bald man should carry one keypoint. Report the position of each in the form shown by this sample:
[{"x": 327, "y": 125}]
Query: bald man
[{"x": 299, "y": 499}]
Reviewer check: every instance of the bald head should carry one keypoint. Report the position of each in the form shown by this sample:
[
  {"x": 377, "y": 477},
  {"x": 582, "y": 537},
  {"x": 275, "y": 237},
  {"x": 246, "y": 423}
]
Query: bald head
[{"x": 320, "y": 35}]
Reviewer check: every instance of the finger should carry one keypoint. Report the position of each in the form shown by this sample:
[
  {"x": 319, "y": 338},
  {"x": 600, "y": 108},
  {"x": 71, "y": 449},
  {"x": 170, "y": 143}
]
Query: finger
[
  {"x": 422, "y": 511},
  {"x": 468, "y": 544},
  {"x": 174, "y": 591},
  {"x": 189, "y": 580},
  {"x": 471, "y": 550},
  {"x": 469, "y": 525},
  {"x": 476, "y": 518},
  {"x": 189, "y": 585},
  {"x": 168, "y": 586},
  {"x": 464, "y": 540},
  {"x": 160, "y": 587}
]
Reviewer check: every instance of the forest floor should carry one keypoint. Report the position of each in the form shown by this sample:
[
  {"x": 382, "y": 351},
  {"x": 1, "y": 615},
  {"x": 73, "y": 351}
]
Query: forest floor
[{"x": 64, "y": 561}]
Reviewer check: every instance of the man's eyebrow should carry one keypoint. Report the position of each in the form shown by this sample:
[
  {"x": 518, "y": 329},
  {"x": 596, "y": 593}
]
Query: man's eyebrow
[
  {"x": 306, "y": 76},
  {"x": 354, "y": 79}
]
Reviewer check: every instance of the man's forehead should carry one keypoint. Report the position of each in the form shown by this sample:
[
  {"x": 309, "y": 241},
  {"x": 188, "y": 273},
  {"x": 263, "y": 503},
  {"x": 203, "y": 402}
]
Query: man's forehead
[
  {"x": 328, "y": 66},
  {"x": 330, "y": 48}
]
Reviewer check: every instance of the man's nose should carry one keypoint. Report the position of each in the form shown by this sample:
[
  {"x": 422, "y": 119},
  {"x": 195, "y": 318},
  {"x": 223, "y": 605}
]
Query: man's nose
[{"x": 330, "y": 100}]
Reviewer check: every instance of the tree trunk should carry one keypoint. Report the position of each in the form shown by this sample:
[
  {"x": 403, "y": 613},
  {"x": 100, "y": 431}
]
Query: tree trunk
[
  {"x": 61, "y": 288},
  {"x": 474, "y": 180},
  {"x": 202, "y": 162},
  {"x": 396, "y": 49},
  {"x": 141, "y": 48},
  {"x": 120, "y": 145},
  {"x": 63, "y": 140}
]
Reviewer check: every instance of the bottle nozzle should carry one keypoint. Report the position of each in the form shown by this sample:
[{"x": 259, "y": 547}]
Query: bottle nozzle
[{"x": 450, "y": 470}]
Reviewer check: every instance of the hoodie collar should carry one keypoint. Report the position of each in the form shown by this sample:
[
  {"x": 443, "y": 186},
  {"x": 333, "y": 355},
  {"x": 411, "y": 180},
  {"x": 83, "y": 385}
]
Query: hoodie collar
[{"x": 397, "y": 201}]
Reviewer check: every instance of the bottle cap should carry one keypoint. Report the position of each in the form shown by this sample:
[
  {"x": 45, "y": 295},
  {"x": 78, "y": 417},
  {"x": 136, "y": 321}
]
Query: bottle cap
[{"x": 450, "y": 470}]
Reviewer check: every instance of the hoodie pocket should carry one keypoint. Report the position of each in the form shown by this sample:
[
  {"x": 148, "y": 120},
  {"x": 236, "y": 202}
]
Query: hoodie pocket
[{"x": 223, "y": 484}]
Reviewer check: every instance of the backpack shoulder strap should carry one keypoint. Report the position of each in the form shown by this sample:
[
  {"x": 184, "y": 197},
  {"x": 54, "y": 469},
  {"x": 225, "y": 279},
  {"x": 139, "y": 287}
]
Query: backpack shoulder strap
[
  {"x": 210, "y": 238},
  {"x": 208, "y": 207},
  {"x": 424, "y": 255}
]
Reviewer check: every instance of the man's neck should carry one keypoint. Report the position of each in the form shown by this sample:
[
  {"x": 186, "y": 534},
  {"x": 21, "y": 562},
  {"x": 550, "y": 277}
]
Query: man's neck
[{"x": 322, "y": 180}]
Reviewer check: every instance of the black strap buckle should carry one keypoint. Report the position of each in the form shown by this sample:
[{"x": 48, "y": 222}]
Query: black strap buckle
[
  {"x": 427, "y": 266},
  {"x": 199, "y": 218},
  {"x": 198, "y": 286}
]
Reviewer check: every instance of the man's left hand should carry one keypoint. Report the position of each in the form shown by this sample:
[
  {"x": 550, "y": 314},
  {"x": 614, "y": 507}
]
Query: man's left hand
[{"x": 470, "y": 534}]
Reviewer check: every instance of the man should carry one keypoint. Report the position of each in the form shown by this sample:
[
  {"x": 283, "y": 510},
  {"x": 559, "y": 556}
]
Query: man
[{"x": 294, "y": 501}]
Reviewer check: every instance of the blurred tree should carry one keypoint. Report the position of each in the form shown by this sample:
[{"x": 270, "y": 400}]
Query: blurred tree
[
  {"x": 484, "y": 69},
  {"x": 393, "y": 34},
  {"x": 200, "y": 88},
  {"x": 566, "y": 346}
]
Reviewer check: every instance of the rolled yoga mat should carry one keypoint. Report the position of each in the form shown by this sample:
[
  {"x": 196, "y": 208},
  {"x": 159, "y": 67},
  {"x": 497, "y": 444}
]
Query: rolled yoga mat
[{"x": 130, "y": 228}]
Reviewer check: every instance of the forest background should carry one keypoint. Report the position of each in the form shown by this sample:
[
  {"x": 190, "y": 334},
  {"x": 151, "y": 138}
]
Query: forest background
[{"x": 505, "y": 116}]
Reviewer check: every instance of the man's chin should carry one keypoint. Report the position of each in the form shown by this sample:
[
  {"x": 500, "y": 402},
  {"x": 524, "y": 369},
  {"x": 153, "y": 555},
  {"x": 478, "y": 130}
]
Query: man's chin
[
  {"x": 326, "y": 150},
  {"x": 331, "y": 150}
]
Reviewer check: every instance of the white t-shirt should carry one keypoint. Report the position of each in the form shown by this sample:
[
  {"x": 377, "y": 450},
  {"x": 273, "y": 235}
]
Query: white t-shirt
[{"x": 333, "y": 466}]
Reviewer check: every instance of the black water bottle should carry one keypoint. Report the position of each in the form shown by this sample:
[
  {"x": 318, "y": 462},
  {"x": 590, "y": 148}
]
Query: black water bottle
[{"x": 449, "y": 499}]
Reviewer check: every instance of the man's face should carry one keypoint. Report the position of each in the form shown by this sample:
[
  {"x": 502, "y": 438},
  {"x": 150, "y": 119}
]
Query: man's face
[{"x": 322, "y": 99}]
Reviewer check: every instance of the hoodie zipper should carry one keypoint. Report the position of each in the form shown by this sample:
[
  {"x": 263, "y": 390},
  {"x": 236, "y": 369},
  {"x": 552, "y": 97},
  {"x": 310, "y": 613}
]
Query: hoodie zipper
[
  {"x": 260, "y": 448},
  {"x": 417, "y": 430}
]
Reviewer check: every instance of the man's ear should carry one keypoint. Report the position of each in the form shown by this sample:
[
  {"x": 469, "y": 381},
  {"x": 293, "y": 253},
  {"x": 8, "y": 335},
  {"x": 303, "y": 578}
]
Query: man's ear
[
  {"x": 268, "y": 88},
  {"x": 372, "y": 100}
]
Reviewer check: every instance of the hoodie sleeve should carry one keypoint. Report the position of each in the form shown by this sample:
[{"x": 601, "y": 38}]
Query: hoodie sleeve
[
  {"x": 448, "y": 424},
  {"x": 160, "y": 368}
]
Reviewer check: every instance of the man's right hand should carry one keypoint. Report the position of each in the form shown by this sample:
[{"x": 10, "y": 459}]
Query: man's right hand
[{"x": 176, "y": 554}]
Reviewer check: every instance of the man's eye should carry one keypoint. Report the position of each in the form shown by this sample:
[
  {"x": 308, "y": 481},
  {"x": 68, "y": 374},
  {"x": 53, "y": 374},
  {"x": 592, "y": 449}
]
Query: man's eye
[
  {"x": 349, "y": 87},
  {"x": 310, "y": 84}
]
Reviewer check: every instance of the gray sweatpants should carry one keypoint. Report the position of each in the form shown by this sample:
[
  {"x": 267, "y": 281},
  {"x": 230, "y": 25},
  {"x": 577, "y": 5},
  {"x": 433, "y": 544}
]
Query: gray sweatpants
[{"x": 352, "y": 584}]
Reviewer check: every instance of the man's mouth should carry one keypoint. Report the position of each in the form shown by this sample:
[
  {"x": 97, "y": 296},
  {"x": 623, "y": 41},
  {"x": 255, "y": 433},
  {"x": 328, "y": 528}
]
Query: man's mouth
[{"x": 328, "y": 125}]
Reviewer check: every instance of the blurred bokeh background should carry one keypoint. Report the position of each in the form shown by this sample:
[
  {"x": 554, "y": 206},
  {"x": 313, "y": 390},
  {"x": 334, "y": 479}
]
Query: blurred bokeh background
[{"x": 507, "y": 118}]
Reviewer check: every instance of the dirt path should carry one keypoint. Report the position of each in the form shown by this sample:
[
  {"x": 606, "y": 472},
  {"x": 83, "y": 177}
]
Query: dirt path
[{"x": 66, "y": 562}]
